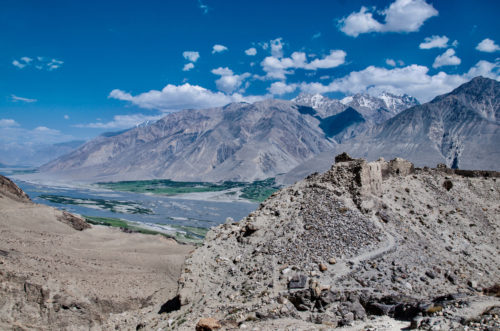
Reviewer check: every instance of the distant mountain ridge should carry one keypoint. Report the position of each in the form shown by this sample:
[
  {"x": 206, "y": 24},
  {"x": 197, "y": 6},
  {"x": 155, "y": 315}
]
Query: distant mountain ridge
[
  {"x": 245, "y": 142},
  {"x": 37, "y": 154},
  {"x": 373, "y": 110},
  {"x": 237, "y": 142},
  {"x": 460, "y": 129}
]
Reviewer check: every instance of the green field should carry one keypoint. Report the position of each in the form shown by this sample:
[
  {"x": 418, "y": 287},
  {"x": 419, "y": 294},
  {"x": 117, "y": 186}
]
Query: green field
[
  {"x": 124, "y": 207},
  {"x": 167, "y": 187},
  {"x": 256, "y": 191},
  {"x": 183, "y": 234},
  {"x": 259, "y": 190}
]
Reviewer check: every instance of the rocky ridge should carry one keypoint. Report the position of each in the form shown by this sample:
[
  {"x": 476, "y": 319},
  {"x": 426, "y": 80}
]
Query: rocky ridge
[
  {"x": 355, "y": 114},
  {"x": 364, "y": 239}
]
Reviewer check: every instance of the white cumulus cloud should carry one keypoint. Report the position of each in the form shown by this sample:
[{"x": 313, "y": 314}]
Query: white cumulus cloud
[
  {"x": 488, "y": 46},
  {"x": 400, "y": 16},
  {"x": 228, "y": 81},
  {"x": 280, "y": 88},
  {"x": 191, "y": 55},
  {"x": 413, "y": 80},
  {"x": 332, "y": 60},
  {"x": 178, "y": 97},
  {"x": 218, "y": 48},
  {"x": 448, "y": 58},
  {"x": 276, "y": 47},
  {"x": 434, "y": 42},
  {"x": 277, "y": 68},
  {"x": 251, "y": 51}
]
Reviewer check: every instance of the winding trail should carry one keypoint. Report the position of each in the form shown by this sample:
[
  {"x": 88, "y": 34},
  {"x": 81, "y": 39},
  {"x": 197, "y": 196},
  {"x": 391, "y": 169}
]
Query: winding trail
[{"x": 342, "y": 268}]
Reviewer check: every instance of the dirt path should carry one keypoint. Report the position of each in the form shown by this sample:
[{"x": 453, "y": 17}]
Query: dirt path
[{"x": 342, "y": 268}]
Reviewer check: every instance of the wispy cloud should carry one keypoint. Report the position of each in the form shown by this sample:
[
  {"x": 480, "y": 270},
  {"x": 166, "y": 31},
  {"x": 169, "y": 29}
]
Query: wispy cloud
[
  {"x": 40, "y": 63},
  {"x": 12, "y": 134},
  {"x": 122, "y": 122},
  {"x": 8, "y": 123},
  {"x": 15, "y": 98},
  {"x": 204, "y": 8},
  {"x": 21, "y": 63},
  {"x": 188, "y": 66},
  {"x": 54, "y": 64},
  {"x": 400, "y": 16},
  {"x": 390, "y": 62},
  {"x": 316, "y": 35}
]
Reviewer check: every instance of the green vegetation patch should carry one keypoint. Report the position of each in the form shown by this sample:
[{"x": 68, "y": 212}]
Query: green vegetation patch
[
  {"x": 168, "y": 187},
  {"x": 119, "y": 223},
  {"x": 184, "y": 234},
  {"x": 259, "y": 190},
  {"x": 192, "y": 230},
  {"x": 124, "y": 207},
  {"x": 256, "y": 191},
  {"x": 24, "y": 171}
]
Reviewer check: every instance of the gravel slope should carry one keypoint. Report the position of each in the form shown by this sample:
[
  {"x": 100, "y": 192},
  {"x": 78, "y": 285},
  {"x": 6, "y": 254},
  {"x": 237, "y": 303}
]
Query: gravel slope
[{"x": 360, "y": 241}]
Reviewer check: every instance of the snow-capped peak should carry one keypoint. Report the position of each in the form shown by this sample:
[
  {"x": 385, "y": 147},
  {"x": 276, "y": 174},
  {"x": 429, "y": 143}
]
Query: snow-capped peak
[
  {"x": 396, "y": 103},
  {"x": 346, "y": 100},
  {"x": 312, "y": 100}
]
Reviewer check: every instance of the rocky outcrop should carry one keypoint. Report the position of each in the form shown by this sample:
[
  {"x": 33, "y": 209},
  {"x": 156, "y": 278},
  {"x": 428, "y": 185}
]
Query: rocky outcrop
[
  {"x": 363, "y": 239},
  {"x": 10, "y": 190},
  {"x": 76, "y": 222}
]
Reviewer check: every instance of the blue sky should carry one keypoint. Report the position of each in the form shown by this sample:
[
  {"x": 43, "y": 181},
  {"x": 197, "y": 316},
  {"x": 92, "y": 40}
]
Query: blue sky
[{"x": 74, "y": 69}]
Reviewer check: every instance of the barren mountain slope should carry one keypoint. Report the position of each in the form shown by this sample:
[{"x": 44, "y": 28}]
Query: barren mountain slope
[
  {"x": 237, "y": 142},
  {"x": 54, "y": 276},
  {"x": 460, "y": 129},
  {"x": 360, "y": 240},
  {"x": 368, "y": 111}
]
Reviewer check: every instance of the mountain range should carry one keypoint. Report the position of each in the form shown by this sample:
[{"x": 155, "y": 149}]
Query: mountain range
[
  {"x": 37, "y": 154},
  {"x": 460, "y": 129},
  {"x": 245, "y": 142}
]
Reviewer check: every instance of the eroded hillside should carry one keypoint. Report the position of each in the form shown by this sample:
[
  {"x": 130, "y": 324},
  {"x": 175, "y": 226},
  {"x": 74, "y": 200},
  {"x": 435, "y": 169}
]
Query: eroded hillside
[{"x": 59, "y": 273}]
